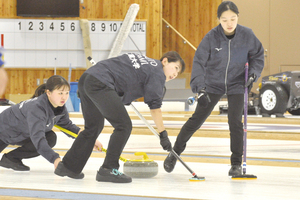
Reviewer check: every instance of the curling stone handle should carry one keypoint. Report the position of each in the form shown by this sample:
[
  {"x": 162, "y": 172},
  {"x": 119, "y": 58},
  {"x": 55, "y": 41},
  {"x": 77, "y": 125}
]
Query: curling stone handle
[{"x": 145, "y": 156}]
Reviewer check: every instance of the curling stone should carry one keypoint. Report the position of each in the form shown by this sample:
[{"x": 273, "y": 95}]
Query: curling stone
[{"x": 144, "y": 168}]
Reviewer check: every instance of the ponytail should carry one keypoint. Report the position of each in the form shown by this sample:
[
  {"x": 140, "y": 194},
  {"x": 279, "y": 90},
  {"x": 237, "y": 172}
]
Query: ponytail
[{"x": 39, "y": 91}]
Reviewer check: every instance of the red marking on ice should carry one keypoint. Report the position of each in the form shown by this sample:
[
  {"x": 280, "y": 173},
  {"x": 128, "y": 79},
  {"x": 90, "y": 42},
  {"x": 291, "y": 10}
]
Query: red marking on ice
[{"x": 2, "y": 40}]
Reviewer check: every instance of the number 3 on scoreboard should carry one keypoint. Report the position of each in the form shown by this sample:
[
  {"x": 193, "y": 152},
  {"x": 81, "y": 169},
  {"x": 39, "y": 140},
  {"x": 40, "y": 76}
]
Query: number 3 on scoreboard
[{"x": 41, "y": 26}]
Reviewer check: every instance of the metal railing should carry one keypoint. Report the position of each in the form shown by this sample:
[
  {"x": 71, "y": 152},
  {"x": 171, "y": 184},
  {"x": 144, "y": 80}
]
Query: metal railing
[{"x": 184, "y": 39}]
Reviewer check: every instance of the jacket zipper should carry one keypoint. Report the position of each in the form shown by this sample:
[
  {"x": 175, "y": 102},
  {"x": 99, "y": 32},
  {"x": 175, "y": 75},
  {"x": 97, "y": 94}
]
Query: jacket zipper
[
  {"x": 53, "y": 119},
  {"x": 227, "y": 67}
]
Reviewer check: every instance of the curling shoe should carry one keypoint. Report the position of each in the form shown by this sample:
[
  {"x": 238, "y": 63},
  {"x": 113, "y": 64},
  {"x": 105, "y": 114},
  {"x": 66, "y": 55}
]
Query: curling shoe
[
  {"x": 112, "y": 175},
  {"x": 17, "y": 166},
  {"x": 61, "y": 170},
  {"x": 170, "y": 162},
  {"x": 235, "y": 170}
]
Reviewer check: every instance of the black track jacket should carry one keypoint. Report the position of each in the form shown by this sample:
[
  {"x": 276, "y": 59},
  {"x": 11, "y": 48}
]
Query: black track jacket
[{"x": 219, "y": 62}]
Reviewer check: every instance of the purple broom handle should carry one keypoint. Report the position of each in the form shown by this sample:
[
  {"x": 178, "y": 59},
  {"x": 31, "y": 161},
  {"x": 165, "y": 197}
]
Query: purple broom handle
[{"x": 245, "y": 118}]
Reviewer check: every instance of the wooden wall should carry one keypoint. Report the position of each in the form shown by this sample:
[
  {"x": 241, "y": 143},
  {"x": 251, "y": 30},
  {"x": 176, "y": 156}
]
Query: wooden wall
[
  {"x": 24, "y": 80},
  {"x": 192, "y": 18}
]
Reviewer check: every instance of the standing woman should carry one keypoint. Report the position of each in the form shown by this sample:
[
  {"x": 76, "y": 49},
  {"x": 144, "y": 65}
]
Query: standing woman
[
  {"x": 29, "y": 124},
  {"x": 104, "y": 89},
  {"x": 218, "y": 69}
]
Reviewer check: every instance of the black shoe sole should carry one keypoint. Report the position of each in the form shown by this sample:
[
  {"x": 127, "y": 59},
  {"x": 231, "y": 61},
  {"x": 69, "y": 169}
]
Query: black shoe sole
[
  {"x": 8, "y": 166},
  {"x": 15, "y": 169},
  {"x": 101, "y": 178},
  {"x": 78, "y": 176},
  {"x": 62, "y": 171},
  {"x": 169, "y": 167}
]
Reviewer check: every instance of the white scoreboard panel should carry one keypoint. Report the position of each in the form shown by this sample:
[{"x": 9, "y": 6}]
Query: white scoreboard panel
[{"x": 38, "y": 43}]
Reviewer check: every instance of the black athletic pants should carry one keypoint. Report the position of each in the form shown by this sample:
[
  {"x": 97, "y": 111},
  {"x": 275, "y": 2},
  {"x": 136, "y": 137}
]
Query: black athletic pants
[
  {"x": 27, "y": 149},
  {"x": 235, "y": 111},
  {"x": 98, "y": 102}
]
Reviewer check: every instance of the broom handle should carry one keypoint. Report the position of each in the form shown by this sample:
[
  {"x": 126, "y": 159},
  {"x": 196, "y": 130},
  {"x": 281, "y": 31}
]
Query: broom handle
[
  {"x": 75, "y": 136},
  {"x": 157, "y": 134},
  {"x": 245, "y": 119}
]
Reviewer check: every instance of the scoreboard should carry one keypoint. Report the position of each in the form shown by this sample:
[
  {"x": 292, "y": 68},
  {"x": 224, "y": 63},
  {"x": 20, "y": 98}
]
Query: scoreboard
[{"x": 39, "y": 43}]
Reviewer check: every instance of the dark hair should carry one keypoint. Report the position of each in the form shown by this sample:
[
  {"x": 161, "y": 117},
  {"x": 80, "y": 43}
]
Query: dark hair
[
  {"x": 227, "y": 5},
  {"x": 39, "y": 91},
  {"x": 173, "y": 56},
  {"x": 54, "y": 82}
]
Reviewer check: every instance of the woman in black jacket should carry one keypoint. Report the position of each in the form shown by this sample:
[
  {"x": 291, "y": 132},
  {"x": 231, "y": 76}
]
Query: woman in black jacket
[
  {"x": 218, "y": 69},
  {"x": 29, "y": 124},
  {"x": 104, "y": 89}
]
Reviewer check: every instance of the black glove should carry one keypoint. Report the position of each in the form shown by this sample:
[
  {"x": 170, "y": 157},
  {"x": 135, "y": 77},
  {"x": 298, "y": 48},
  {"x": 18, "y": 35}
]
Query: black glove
[
  {"x": 250, "y": 81},
  {"x": 164, "y": 141},
  {"x": 203, "y": 98}
]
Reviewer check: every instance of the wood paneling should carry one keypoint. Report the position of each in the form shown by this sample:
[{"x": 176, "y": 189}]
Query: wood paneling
[
  {"x": 24, "y": 80},
  {"x": 8, "y": 8},
  {"x": 192, "y": 19}
]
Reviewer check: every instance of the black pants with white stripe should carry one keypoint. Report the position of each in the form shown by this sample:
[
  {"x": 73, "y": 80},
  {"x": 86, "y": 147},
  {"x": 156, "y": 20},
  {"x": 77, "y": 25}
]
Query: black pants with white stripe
[
  {"x": 98, "y": 102},
  {"x": 235, "y": 112}
]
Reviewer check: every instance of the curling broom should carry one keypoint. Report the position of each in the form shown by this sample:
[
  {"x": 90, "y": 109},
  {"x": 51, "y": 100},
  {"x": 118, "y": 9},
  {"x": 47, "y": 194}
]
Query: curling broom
[
  {"x": 244, "y": 175},
  {"x": 195, "y": 178}
]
